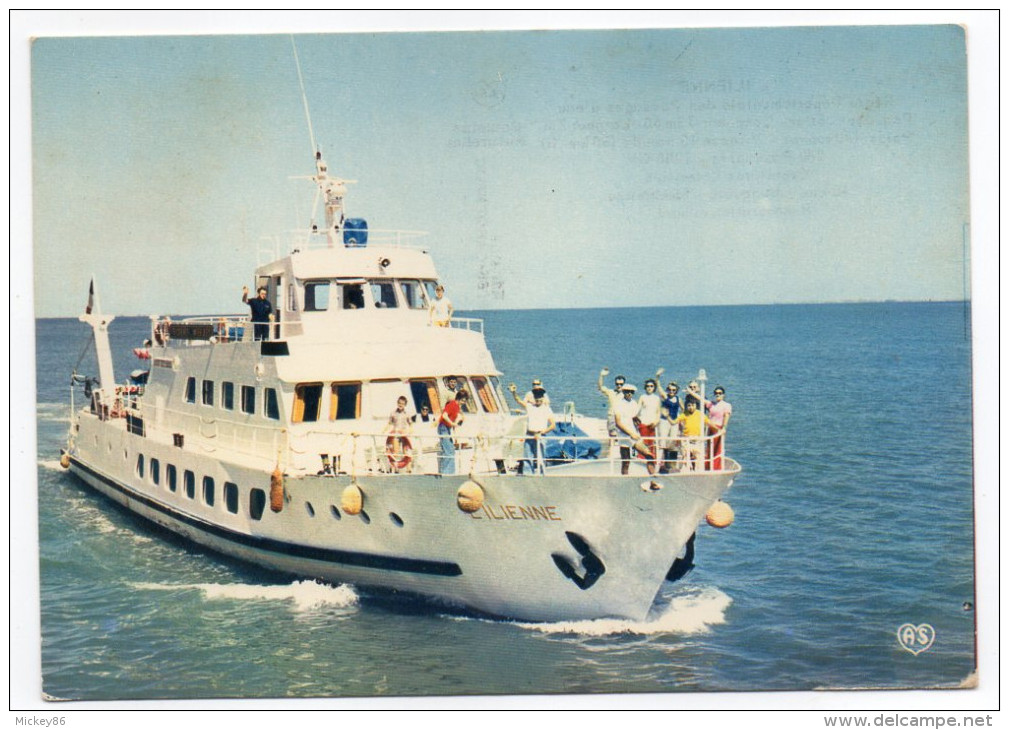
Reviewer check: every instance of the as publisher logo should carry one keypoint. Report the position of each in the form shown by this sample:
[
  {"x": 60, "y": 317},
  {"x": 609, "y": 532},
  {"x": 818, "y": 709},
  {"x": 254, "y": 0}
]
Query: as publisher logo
[{"x": 916, "y": 639}]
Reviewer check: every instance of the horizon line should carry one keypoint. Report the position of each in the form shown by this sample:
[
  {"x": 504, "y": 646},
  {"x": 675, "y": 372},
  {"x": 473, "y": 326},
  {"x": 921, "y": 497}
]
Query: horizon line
[{"x": 619, "y": 306}]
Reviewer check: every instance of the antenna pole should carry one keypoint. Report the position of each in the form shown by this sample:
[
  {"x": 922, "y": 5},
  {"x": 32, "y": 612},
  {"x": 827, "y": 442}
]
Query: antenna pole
[{"x": 304, "y": 96}]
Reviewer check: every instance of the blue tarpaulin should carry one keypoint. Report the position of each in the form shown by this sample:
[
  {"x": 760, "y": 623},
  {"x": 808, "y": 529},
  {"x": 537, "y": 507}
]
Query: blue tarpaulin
[{"x": 560, "y": 444}]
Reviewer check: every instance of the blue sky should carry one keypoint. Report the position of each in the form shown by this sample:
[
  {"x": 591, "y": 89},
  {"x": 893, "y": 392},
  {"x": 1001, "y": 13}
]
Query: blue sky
[{"x": 550, "y": 168}]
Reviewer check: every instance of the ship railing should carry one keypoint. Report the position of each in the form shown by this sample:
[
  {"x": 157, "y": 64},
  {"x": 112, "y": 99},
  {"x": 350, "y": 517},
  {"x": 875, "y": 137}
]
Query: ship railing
[
  {"x": 217, "y": 329},
  {"x": 429, "y": 453},
  {"x": 313, "y": 239},
  {"x": 470, "y": 324}
]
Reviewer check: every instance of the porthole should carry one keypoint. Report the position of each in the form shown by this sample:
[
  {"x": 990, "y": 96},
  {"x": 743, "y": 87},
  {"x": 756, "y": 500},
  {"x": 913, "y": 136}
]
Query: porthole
[
  {"x": 396, "y": 519},
  {"x": 335, "y": 511},
  {"x": 310, "y": 509},
  {"x": 365, "y": 518},
  {"x": 257, "y": 502}
]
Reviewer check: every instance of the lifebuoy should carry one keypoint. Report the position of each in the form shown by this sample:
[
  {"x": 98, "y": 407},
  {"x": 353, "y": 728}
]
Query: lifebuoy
[{"x": 397, "y": 451}]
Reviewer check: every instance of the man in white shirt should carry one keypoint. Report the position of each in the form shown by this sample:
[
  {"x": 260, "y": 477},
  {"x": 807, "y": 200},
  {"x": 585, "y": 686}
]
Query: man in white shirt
[
  {"x": 530, "y": 398},
  {"x": 539, "y": 421}
]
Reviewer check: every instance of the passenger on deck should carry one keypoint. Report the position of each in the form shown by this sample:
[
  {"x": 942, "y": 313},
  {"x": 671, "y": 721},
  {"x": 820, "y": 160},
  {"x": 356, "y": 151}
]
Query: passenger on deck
[
  {"x": 625, "y": 413},
  {"x": 441, "y": 308},
  {"x": 672, "y": 400},
  {"x": 424, "y": 416},
  {"x": 668, "y": 433},
  {"x": 399, "y": 420},
  {"x": 450, "y": 419},
  {"x": 612, "y": 396},
  {"x": 539, "y": 421},
  {"x": 719, "y": 413},
  {"x": 530, "y": 396},
  {"x": 693, "y": 423},
  {"x": 262, "y": 312},
  {"x": 650, "y": 405}
]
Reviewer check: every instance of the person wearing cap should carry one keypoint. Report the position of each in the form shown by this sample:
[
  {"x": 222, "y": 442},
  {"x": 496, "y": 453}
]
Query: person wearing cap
[
  {"x": 440, "y": 311},
  {"x": 530, "y": 397},
  {"x": 539, "y": 421},
  {"x": 625, "y": 413},
  {"x": 612, "y": 396},
  {"x": 451, "y": 418}
]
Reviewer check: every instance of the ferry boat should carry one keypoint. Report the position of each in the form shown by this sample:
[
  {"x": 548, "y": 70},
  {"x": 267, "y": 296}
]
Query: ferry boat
[{"x": 268, "y": 441}]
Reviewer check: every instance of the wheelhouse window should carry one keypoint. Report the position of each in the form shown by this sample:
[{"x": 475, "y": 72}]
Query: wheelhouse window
[
  {"x": 383, "y": 293},
  {"x": 248, "y": 399},
  {"x": 208, "y": 392},
  {"x": 190, "y": 390},
  {"x": 316, "y": 296},
  {"x": 413, "y": 295},
  {"x": 271, "y": 403},
  {"x": 452, "y": 385},
  {"x": 429, "y": 287},
  {"x": 307, "y": 400},
  {"x": 352, "y": 295},
  {"x": 485, "y": 394},
  {"x": 425, "y": 393},
  {"x": 345, "y": 401},
  {"x": 228, "y": 395}
]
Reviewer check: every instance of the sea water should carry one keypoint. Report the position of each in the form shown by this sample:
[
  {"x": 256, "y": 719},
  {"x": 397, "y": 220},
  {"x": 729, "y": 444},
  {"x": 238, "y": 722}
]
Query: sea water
[{"x": 853, "y": 517}]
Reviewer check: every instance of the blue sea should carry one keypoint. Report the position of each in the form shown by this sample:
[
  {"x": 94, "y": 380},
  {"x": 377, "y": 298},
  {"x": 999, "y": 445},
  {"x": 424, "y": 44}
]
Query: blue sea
[{"x": 854, "y": 516}]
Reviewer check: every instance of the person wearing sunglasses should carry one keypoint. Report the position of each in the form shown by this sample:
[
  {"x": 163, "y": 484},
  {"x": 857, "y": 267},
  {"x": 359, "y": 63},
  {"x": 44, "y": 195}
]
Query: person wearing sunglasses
[{"x": 719, "y": 412}]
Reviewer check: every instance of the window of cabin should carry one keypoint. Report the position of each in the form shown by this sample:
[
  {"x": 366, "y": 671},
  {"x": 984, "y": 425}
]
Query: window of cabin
[
  {"x": 429, "y": 287},
  {"x": 208, "y": 491},
  {"x": 172, "y": 477},
  {"x": 231, "y": 497},
  {"x": 413, "y": 295},
  {"x": 272, "y": 404},
  {"x": 248, "y": 399},
  {"x": 189, "y": 483},
  {"x": 484, "y": 393},
  {"x": 425, "y": 393},
  {"x": 257, "y": 502},
  {"x": 140, "y": 465},
  {"x": 155, "y": 471},
  {"x": 384, "y": 294},
  {"x": 228, "y": 395},
  {"x": 495, "y": 383},
  {"x": 345, "y": 401},
  {"x": 453, "y": 384},
  {"x": 352, "y": 296},
  {"x": 190, "y": 390},
  {"x": 307, "y": 399},
  {"x": 208, "y": 392},
  {"x": 316, "y": 296}
]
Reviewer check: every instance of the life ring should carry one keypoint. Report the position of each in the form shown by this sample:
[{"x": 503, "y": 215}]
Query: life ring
[{"x": 397, "y": 451}]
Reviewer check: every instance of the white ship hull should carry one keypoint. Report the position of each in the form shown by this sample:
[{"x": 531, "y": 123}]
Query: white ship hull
[{"x": 505, "y": 559}]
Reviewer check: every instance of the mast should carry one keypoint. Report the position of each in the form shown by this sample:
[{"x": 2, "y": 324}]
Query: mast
[
  {"x": 100, "y": 324},
  {"x": 332, "y": 189}
]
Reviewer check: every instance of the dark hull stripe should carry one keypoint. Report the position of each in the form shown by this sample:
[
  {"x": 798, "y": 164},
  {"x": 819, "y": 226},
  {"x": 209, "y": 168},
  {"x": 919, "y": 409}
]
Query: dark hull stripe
[{"x": 344, "y": 557}]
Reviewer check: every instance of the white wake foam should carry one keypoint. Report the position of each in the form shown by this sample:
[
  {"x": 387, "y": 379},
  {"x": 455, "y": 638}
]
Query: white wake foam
[
  {"x": 693, "y": 613},
  {"x": 52, "y": 464},
  {"x": 304, "y": 594}
]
